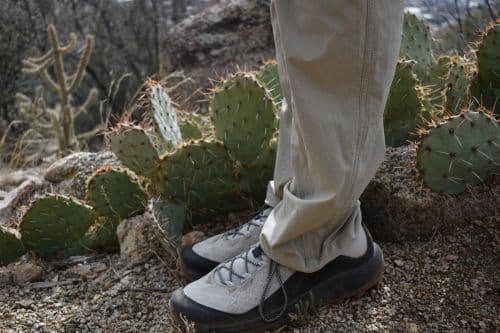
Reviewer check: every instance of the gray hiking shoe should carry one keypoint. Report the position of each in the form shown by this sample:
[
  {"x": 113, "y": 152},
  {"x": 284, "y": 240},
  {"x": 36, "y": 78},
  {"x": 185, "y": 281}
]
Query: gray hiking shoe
[{"x": 200, "y": 258}]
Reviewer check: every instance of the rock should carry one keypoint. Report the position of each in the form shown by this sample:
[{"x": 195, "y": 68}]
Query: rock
[
  {"x": 28, "y": 272},
  {"x": 398, "y": 207},
  {"x": 19, "y": 198},
  {"x": 137, "y": 239},
  {"x": 70, "y": 173},
  {"x": 451, "y": 257},
  {"x": 217, "y": 40},
  {"x": 399, "y": 263},
  {"x": 192, "y": 237}
]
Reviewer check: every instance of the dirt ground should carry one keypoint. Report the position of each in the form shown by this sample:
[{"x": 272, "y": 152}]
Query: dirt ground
[{"x": 447, "y": 284}]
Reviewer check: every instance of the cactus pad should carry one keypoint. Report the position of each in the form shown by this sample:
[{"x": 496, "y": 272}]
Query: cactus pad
[
  {"x": 417, "y": 44},
  {"x": 115, "y": 193},
  {"x": 404, "y": 108},
  {"x": 200, "y": 175},
  {"x": 244, "y": 117},
  {"x": 487, "y": 57},
  {"x": 463, "y": 151},
  {"x": 255, "y": 177},
  {"x": 163, "y": 116},
  {"x": 270, "y": 78},
  {"x": 169, "y": 220},
  {"x": 136, "y": 149},
  {"x": 457, "y": 85},
  {"x": 11, "y": 247},
  {"x": 53, "y": 224}
]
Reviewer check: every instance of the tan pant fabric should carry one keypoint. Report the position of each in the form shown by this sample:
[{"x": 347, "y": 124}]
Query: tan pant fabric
[{"x": 336, "y": 60}]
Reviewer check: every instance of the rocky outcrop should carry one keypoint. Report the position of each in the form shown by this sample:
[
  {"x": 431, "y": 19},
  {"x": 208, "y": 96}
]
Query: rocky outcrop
[
  {"x": 229, "y": 34},
  {"x": 398, "y": 207}
]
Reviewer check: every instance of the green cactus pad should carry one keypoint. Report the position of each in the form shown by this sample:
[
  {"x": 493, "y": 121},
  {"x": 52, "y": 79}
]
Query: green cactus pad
[
  {"x": 199, "y": 175},
  {"x": 463, "y": 151},
  {"x": 115, "y": 193},
  {"x": 269, "y": 77},
  {"x": 11, "y": 247},
  {"x": 135, "y": 148},
  {"x": 169, "y": 219},
  {"x": 255, "y": 177},
  {"x": 417, "y": 44},
  {"x": 405, "y": 106},
  {"x": 244, "y": 117},
  {"x": 100, "y": 236},
  {"x": 438, "y": 73},
  {"x": 164, "y": 116},
  {"x": 457, "y": 85},
  {"x": 488, "y": 57},
  {"x": 53, "y": 224}
]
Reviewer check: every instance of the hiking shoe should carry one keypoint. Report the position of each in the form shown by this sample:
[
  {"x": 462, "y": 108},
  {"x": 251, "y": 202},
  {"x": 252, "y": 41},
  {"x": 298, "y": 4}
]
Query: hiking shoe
[
  {"x": 252, "y": 293},
  {"x": 200, "y": 258}
]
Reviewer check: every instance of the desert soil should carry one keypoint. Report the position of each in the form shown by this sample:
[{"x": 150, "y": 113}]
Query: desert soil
[{"x": 447, "y": 284}]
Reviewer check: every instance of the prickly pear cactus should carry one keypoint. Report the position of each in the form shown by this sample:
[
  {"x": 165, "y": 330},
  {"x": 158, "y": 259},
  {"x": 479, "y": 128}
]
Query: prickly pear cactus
[
  {"x": 269, "y": 77},
  {"x": 169, "y": 221},
  {"x": 457, "y": 85},
  {"x": 192, "y": 126},
  {"x": 463, "y": 151},
  {"x": 487, "y": 56},
  {"x": 405, "y": 105},
  {"x": 244, "y": 117},
  {"x": 53, "y": 224},
  {"x": 135, "y": 148},
  {"x": 438, "y": 73},
  {"x": 417, "y": 44},
  {"x": 200, "y": 176},
  {"x": 485, "y": 85},
  {"x": 11, "y": 247},
  {"x": 253, "y": 178},
  {"x": 115, "y": 193}
]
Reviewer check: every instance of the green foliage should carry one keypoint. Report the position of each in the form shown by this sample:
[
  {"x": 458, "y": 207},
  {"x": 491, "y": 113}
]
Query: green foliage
[
  {"x": 59, "y": 119},
  {"x": 417, "y": 44},
  {"x": 11, "y": 247},
  {"x": 115, "y": 194},
  {"x": 244, "y": 117},
  {"x": 405, "y": 105},
  {"x": 53, "y": 224},
  {"x": 462, "y": 151}
]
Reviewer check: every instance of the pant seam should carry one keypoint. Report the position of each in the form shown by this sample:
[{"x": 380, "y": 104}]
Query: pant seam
[{"x": 368, "y": 55}]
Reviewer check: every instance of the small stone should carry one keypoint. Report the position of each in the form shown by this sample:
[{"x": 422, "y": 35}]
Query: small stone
[
  {"x": 434, "y": 254},
  {"x": 399, "y": 263},
  {"x": 412, "y": 327},
  {"x": 28, "y": 272},
  {"x": 192, "y": 237},
  {"x": 451, "y": 257}
]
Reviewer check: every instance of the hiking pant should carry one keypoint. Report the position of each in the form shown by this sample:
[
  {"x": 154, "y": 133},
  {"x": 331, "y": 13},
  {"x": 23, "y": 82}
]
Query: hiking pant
[{"x": 336, "y": 60}]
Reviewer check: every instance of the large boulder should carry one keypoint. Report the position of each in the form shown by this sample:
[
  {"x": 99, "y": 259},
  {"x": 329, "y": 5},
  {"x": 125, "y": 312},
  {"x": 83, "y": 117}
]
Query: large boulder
[
  {"x": 217, "y": 40},
  {"x": 398, "y": 207}
]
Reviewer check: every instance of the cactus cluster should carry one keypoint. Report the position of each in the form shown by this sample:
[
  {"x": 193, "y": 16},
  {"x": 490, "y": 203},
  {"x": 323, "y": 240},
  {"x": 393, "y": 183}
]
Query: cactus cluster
[{"x": 56, "y": 225}]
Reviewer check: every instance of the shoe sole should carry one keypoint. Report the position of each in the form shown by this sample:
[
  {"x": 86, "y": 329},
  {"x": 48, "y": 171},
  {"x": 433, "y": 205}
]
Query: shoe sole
[{"x": 335, "y": 290}]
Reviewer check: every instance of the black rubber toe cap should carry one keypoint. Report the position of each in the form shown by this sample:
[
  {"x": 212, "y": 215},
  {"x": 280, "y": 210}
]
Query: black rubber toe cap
[{"x": 195, "y": 266}]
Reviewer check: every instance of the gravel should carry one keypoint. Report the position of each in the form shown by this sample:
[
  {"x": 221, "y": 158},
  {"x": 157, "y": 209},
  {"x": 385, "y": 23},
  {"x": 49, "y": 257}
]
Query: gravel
[{"x": 447, "y": 284}]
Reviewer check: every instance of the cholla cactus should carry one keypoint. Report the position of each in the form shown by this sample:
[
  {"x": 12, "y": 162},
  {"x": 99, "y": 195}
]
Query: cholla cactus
[
  {"x": 59, "y": 119},
  {"x": 464, "y": 150}
]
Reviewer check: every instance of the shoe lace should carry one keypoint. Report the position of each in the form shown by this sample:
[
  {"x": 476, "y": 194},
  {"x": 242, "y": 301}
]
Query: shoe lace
[
  {"x": 258, "y": 254},
  {"x": 256, "y": 220}
]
